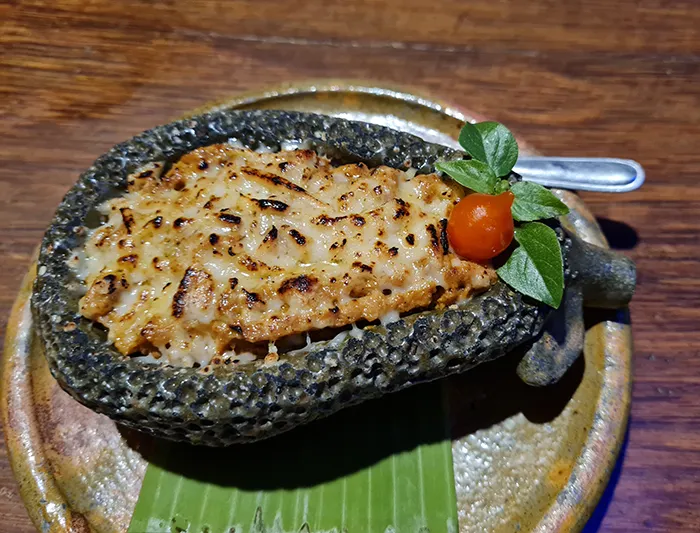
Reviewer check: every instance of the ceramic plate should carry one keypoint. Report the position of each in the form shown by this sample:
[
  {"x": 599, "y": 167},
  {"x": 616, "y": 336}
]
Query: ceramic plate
[{"x": 525, "y": 459}]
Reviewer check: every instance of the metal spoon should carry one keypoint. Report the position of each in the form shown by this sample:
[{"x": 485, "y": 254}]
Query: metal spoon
[
  {"x": 582, "y": 173},
  {"x": 575, "y": 173}
]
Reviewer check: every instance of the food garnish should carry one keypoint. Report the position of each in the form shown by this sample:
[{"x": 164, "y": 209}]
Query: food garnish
[{"x": 482, "y": 224}]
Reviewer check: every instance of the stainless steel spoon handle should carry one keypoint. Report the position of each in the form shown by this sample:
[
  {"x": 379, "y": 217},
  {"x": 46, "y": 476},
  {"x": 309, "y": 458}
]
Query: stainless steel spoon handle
[{"x": 582, "y": 173}]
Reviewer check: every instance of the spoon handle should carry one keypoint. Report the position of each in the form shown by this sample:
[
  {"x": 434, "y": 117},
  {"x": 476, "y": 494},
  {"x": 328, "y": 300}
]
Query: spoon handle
[{"x": 582, "y": 173}]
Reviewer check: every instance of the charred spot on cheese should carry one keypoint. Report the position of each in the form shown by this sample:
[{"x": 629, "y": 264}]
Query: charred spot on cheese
[
  {"x": 337, "y": 245},
  {"x": 273, "y": 179},
  {"x": 298, "y": 237},
  {"x": 210, "y": 202},
  {"x": 362, "y": 266},
  {"x": 194, "y": 289},
  {"x": 128, "y": 218},
  {"x": 301, "y": 283},
  {"x": 444, "y": 242},
  {"x": 229, "y": 219},
  {"x": 101, "y": 239},
  {"x": 286, "y": 243},
  {"x": 250, "y": 264},
  {"x": 155, "y": 222},
  {"x": 107, "y": 284},
  {"x": 252, "y": 298},
  {"x": 130, "y": 259},
  {"x": 434, "y": 243},
  {"x": 266, "y": 203},
  {"x": 181, "y": 221},
  {"x": 325, "y": 220},
  {"x": 402, "y": 209},
  {"x": 271, "y": 235},
  {"x": 148, "y": 330}
]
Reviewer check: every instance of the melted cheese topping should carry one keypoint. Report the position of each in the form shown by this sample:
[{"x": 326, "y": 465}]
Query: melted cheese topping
[{"x": 231, "y": 249}]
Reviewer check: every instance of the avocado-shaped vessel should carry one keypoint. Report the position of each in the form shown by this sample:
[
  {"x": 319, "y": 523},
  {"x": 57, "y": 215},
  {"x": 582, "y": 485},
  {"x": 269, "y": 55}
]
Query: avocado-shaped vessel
[{"x": 230, "y": 276}]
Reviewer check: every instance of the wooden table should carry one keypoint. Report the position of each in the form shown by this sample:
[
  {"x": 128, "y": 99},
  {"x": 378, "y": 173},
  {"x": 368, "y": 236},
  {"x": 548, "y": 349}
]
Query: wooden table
[{"x": 590, "y": 78}]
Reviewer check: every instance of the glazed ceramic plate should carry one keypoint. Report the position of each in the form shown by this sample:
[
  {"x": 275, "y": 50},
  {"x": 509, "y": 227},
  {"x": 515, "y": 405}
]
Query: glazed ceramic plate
[{"x": 525, "y": 459}]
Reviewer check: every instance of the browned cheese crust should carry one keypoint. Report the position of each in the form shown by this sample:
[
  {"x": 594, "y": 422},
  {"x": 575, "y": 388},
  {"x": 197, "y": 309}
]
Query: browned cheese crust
[{"x": 231, "y": 245}]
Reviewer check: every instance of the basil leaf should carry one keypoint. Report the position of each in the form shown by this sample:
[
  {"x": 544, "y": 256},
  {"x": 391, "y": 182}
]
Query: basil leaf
[
  {"x": 472, "y": 142},
  {"x": 500, "y": 147},
  {"x": 491, "y": 143},
  {"x": 536, "y": 268},
  {"x": 534, "y": 202},
  {"x": 473, "y": 174}
]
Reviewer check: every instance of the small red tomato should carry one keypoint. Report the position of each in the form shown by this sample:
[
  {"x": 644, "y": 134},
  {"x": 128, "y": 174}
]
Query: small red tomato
[{"x": 481, "y": 225}]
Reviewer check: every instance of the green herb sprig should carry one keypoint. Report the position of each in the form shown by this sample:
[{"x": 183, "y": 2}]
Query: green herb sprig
[{"x": 535, "y": 268}]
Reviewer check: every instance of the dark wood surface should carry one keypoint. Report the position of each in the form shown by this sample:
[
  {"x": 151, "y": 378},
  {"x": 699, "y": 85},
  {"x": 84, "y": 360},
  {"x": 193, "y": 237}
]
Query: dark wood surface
[{"x": 589, "y": 78}]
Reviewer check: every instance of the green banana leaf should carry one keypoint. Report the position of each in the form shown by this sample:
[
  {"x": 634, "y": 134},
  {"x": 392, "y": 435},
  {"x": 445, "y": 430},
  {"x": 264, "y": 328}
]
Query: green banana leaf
[{"x": 384, "y": 466}]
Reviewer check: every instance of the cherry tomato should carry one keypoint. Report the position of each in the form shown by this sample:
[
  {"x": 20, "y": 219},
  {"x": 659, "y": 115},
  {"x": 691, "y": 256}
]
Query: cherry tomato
[{"x": 481, "y": 225}]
